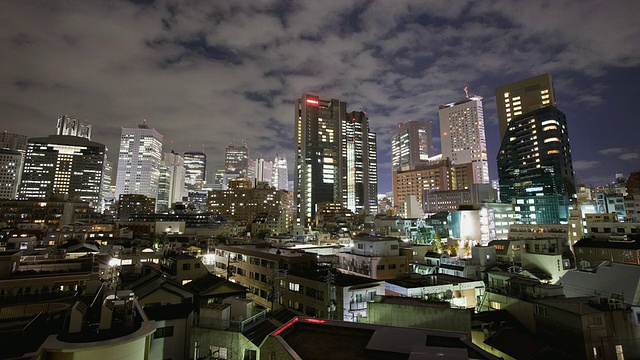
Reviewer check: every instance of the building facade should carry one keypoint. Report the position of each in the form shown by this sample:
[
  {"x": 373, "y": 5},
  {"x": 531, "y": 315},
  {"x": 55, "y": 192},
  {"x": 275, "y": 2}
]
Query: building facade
[
  {"x": 462, "y": 136},
  {"x": 358, "y": 164},
  {"x": 535, "y": 167},
  {"x": 10, "y": 173},
  {"x": 411, "y": 144},
  {"x": 236, "y": 160},
  {"x": 139, "y": 161},
  {"x": 171, "y": 182},
  {"x": 195, "y": 165},
  {"x": 280, "y": 173},
  {"x": 522, "y": 97}
]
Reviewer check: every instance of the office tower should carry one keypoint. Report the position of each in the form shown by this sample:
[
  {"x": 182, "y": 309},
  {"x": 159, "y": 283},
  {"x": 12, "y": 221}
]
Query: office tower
[
  {"x": 463, "y": 139},
  {"x": 411, "y": 144},
  {"x": 171, "y": 181},
  {"x": 63, "y": 166},
  {"x": 195, "y": 165},
  {"x": 280, "y": 173},
  {"x": 72, "y": 127},
  {"x": 107, "y": 175},
  {"x": 535, "y": 167},
  {"x": 13, "y": 141},
  {"x": 262, "y": 171},
  {"x": 236, "y": 160},
  {"x": 317, "y": 178},
  {"x": 10, "y": 173},
  {"x": 139, "y": 161},
  {"x": 522, "y": 97},
  {"x": 358, "y": 164}
]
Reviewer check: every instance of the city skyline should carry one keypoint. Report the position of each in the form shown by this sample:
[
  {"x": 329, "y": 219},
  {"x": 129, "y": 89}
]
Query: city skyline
[{"x": 208, "y": 73}]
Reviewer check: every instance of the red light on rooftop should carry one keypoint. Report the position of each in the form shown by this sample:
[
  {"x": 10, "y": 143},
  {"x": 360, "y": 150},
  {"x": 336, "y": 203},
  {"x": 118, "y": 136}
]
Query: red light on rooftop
[
  {"x": 316, "y": 321},
  {"x": 312, "y": 101},
  {"x": 285, "y": 326}
]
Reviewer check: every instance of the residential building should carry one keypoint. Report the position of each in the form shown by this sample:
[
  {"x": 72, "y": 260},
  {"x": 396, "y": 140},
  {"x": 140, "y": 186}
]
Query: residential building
[
  {"x": 50, "y": 214},
  {"x": 373, "y": 257},
  {"x": 411, "y": 145},
  {"x": 535, "y": 167},
  {"x": 463, "y": 138},
  {"x": 63, "y": 167},
  {"x": 521, "y": 97},
  {"x": 129, "y": 204},
  {"x": 182, "y": 268},
  {"x": 431, "y": 175},
  {"x": 10, "y": 173},
  {"x": 459, "y": 292},
  {"x": 592, "y": 251},
  {"x": 139, "y": 161},
  {"x": 280, "y": 175},
  {"x": 195, "y": 165}
]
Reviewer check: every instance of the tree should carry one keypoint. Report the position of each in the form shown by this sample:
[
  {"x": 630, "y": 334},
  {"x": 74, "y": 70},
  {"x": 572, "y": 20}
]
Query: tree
[
  {"x": 467, "y": 248},
  {"x": 437, "y": 244}
]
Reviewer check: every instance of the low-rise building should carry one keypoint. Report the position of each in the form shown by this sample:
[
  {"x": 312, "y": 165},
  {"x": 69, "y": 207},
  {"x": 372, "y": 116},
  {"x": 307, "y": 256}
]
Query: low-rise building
[
  {"x": 374, "y": 257},
  {"x": 459, "y": 292}
]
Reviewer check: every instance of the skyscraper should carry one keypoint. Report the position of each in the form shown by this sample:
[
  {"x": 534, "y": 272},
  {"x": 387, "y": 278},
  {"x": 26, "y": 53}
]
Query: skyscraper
[
  {"x": 463, "y": 139},
  {"x": 522, "y": 97},
  {"x": 280, "y": 173},
  {"x": 63, "y": 166},
  {"x": 10, "y": 173},
  {"x": 358, "y": 164},
  {"x": 195, "y": 164},
  {"x": 13, "y": 141},
  {"x": 336, "y": 159},
  {"x": 317, "y": 179},
  {"x": 411, "y": 144},
  {"x": 236, "y": 160},
  {"x": 535, "y": 167},
  {"x": 262, "y": 171},
  {"x": 171, "y": 181},
  {"x": 139, "y": 161}
]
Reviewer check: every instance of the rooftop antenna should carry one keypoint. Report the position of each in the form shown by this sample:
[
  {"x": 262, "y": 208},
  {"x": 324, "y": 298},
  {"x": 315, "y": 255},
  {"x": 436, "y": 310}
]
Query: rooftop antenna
[{"x": 466, "y": 91}]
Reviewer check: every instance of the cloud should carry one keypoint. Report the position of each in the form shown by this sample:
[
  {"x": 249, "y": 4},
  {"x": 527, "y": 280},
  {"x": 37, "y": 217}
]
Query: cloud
[
  {"x": 629, "y": 156},
  {"x": 581, "y": 165},
  {"x": 610, "y": 151}
]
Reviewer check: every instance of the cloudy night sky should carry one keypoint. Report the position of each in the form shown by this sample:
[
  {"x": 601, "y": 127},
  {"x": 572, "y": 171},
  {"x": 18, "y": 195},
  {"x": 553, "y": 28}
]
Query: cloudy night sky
[{"x": 208, "y": 73}]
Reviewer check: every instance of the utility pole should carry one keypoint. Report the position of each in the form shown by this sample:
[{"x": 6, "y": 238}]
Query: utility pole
[{"x": 331, "y": 306}]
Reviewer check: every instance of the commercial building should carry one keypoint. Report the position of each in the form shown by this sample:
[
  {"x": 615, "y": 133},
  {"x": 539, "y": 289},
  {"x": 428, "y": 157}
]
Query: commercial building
[
  {"x": 521, "y": 97},
  {"x": 195, "y": 165},
  {"x": 535, "y": 167},
  {"x": 139, "y": 161},
  {"x": 262, "y": 171},
  {"x": 129, "y": 204},
  {"x": 431, "y": 175},
  {"x": 411, "y": 144},
  {"x": 171, "y": 181},
  {"x": 463, "y": 138},
  {"x": 236, "y": 160},
  {"x": 449, "y": 200},
  {"x": 336, "y": 158},
  {"x": 10, "y": 173},
  {"x": 63, "y": 167},
  {"x": 51, "y": 214},
  {"x": 280, "y": 179},
  {"x": 373, "y": 257},
  {"x": 13, "y": 141}
]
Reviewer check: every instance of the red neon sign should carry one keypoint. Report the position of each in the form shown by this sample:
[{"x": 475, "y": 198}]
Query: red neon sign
[
  {"x": 285, "y": 326},
  {"x": 312, "y": 101},
  {"x": 316, "y": 321}
]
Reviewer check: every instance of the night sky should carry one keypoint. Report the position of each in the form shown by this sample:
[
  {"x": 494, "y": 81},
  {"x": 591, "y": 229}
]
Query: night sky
[{"x": 206, "y": 73}]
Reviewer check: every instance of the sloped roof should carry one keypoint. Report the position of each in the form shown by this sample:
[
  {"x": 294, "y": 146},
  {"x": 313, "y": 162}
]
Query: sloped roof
[
  {"x": 82, "y": 248},
  {"x": 154, "y": 281},
  {"x": 516, "y": 344},
  {"x": 169, "y": 312},
  {"x": 209, "y": 281},
  {"x": 605, "y": 279}
]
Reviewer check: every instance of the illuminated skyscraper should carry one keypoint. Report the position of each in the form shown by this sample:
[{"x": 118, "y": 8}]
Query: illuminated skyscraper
[
  {"x": 262, "y": 171},
  {"x": 236, "y": 160},
  {"x": 336, "y": 158},
  {"x": 10, "y": 173},
  {"x": 535, "y": 167},
  {"x": 63, "y": 166},
  {"x": 280, "y": 173},
  {"x": 411, "y": 144},
  {"x": 195, "y": 164},
  {"x": 317, "y": 143},
  {"x": 463, "y": 139},
  {"x": 139, "y": 161},
  {"x": 171, "y": 181},
  {"x": 358, "y": 165},
  {"x": 522, "y": 97}
]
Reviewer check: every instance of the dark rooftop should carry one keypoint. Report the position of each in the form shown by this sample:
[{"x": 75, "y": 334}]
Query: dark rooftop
[
  {"x": 606, "y": 244},
  {"x": 169, "y": 312}
]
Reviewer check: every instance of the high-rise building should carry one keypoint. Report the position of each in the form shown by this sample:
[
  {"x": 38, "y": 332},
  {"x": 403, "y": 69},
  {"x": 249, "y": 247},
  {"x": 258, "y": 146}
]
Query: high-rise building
[
  {"x": 358, "y": 164},
  {"x": 171, "y": 181},
  {"x": 63, "y": 167},
  {"x": 139, "y": 161},
  {"x": 317, "y": 177},
  {"x": 72, "y": 127},
  {"x": 411, "y": 144},
  {"x": 535, "y": 167},
  {"x": 463, "y": 138},
  {"x": 522, "y": 97},
  {"x": 10, "y": 173},
  {"x": 236, "y": 160},
  {"x": 262, "y": 171},
  {"x": 13, "y": 141},
  {"x": 195, "y": 165},
  {"x": 280, "y": 174}
]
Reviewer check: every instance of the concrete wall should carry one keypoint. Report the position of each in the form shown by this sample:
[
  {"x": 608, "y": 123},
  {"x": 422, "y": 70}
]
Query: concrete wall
[
  {"x": 234, "y": 342},
  {"x": 419, "y": 316}
]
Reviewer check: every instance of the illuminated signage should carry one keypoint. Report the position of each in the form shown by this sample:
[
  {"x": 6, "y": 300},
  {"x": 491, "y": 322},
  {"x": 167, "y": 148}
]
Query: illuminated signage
[{"x": 312, "y": 102}]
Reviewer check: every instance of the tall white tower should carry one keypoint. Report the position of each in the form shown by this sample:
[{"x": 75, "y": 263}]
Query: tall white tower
[
  {"x": 139, "y": 161},
  {"x": 462, "y": 136},
  {"x": 280, "y": 173}
]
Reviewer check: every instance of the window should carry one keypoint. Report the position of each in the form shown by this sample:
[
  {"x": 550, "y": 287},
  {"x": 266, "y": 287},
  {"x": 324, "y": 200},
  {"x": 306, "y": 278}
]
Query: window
[
  {"x": 394, "y": 247},
  {"x": 380, "y": 267},
  {"x": 594, "y": 321},
  {"x": 392, "y": 266},
  {"x": 495, "y": 305},
  {"x": 197, "y": 266},
  {"x": 250, "y": 354},
  {"x": 218, "y": 352},
  {"x": 360, "y": 246},
  {"x": 186, "y": 266},
  {"x": 163, "y": 332},
  {"x": 541, "y": 311},
  {"x": 294, "y": 287}
]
